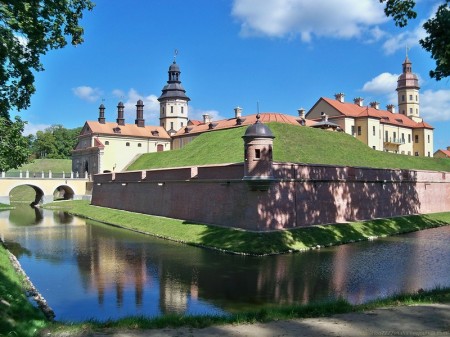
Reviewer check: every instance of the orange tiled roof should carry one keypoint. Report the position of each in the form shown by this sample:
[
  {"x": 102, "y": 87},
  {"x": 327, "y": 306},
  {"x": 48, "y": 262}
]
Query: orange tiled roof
[
  {"x": 386, "y": 117},
  {"x": 446, "y": 152},
  {"x": 131, "y": 130},
  {"x": 266, "y": 117}
]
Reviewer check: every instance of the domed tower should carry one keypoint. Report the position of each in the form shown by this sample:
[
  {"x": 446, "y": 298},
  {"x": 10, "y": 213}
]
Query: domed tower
[
  {"x": 258, "y": 143},
  {"x": 408, "y": 92},
  {"x": 173, "y": 102}
]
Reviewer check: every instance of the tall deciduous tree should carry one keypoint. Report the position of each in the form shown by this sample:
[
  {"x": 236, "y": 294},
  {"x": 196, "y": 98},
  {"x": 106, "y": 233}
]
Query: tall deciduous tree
[
  {"x": 437, "y": 41},
  {"x": 55, "y": 142},
  {"x": 28, "y": 29},
  {"x": 14, "y": 148}
]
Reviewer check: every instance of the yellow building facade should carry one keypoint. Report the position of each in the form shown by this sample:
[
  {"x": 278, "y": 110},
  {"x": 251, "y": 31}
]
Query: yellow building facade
[{"x": 382, "y": 130}]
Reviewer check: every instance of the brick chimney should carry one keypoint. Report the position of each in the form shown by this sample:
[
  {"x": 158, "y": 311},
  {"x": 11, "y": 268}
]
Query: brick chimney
[
  {"x": 359, "y": 101},
  {"x": 120, "y": 120},
  {"x": 101, "y": 114},
  {"x": 206, "y": 118},
  {"x": 237, "y": 112},
  {"x": 391, "y": 108},
  {"x": 375, "y": 105},
  {"x": 339, "y": 97},
  {"x": 140, "y": 122}
]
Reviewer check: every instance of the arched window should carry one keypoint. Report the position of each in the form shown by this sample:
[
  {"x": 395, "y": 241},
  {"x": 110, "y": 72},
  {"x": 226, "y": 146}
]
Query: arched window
[
  {"x": 107, "y": 142},
  {"x": 127, "y": 144},
  {"x": 139, "y": 145}
]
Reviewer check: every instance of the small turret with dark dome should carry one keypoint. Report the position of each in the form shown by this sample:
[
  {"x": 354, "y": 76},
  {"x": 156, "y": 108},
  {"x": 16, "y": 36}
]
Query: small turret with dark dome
[{"x": 258, "y": 143}]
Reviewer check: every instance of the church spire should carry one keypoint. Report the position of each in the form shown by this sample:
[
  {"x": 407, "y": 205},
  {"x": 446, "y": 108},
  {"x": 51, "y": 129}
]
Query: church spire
[{"x": 408, "y": 92}]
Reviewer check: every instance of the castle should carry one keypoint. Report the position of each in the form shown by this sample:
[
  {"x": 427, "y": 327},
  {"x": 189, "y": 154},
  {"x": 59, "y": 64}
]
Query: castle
[{"x": 111, "y": 146}]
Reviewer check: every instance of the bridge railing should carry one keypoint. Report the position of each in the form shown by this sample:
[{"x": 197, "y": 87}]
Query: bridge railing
[{"x": 43, "y": 175}]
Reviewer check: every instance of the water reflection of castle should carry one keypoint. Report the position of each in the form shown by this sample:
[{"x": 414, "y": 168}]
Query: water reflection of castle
[{"x": 126, "y": 264}]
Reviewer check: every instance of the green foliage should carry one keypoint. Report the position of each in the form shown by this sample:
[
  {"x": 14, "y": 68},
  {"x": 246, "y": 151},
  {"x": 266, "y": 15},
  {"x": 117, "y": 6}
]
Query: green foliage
[
  {"x": 437, "y": 41},
  {"x": 28, "y": 29},
  {"x": 400, "y": 10},
  {"x": 55, "y": 142},
  {"x": 18, "y": 317},
  {"x": 14, "y": 148},
  {"x": 292, "y": 144}
]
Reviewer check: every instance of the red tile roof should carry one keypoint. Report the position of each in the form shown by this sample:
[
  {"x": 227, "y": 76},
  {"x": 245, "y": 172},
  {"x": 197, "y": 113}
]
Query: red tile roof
[
  {"x": 446, "y": 152},
  {"x": 266, "y": 117},
  {"x": 386, "y": 117},
  {"x": 131, "y": 130}
]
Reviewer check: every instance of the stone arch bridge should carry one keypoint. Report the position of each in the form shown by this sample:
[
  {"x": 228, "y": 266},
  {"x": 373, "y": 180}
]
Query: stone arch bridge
[{"x": 47, "y": 186}]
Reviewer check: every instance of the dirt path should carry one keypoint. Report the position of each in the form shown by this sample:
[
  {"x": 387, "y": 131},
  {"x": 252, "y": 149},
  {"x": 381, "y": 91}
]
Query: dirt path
[{"x": 423, "y": 320}]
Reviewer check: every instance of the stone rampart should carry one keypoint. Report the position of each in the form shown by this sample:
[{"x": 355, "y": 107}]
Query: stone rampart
[{"x": 300, "y": 195}]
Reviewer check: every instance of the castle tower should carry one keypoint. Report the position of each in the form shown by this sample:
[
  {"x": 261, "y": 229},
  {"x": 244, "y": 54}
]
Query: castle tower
[
  {"x": 408, "y": 92},
  {"x": 258, "y": 143},
  {"x": 173, "y": 102}
]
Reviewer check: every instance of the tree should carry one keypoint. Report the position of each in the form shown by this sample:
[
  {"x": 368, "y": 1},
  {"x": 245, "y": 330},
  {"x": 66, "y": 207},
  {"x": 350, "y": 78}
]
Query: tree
[
  {"x": 28, "y": 29},
  {"x": 14, "y": 148},
  {"x": 55, "y": 142},
  {"x": 437, "y": 41}
]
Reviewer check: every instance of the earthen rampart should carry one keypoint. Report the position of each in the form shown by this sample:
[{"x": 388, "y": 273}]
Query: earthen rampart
[{"x": 298, "y": 195}]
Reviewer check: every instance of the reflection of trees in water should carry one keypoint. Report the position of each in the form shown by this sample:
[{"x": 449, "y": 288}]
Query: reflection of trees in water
[
  {"x": 25, "y": 215},
  {"x": 63, "y": 218}
]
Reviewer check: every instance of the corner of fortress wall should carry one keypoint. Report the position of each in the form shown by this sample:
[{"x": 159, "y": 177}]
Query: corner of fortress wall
[{"x": 299, "y": 195}]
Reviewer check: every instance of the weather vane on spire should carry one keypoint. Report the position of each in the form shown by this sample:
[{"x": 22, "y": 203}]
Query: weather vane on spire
[{"x": 175, "y": 53}]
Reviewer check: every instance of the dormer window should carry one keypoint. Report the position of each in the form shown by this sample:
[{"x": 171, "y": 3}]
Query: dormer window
[
  {"x": 116, "y": 130},
  {"x": 155, "y": 133}
]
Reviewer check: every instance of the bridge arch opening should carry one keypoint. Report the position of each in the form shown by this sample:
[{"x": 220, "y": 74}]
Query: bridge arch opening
[
  {"x": 26, "y": 193},
  {"x": 63, "y": 192}
]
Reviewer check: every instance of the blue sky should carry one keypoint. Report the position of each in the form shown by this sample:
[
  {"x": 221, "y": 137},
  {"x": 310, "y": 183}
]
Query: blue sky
[{"x": 280, "y": 54}]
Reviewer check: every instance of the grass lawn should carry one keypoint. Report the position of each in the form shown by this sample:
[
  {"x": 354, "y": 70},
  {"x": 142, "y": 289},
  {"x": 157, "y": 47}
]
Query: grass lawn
[
  {"x": 292, "y": 144},
  {"x": 18, "y": 317},
  {"x": 245, "y": 242},
  {"x": 39, "y": 165}
]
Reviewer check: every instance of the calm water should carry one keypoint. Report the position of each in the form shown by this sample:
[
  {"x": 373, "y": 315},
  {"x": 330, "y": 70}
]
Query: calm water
[{"x": 89, "y": 270}]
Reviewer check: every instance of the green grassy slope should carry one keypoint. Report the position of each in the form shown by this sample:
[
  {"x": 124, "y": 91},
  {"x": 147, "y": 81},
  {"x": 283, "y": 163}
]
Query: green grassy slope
[
  {"x": 54, "y": 165},
  {"x": 292, "y": 144}
]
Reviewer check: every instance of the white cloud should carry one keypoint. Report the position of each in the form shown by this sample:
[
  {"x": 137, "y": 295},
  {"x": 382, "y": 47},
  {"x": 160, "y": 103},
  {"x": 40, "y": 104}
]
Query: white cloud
[
  {"x": 435, "y": 105},
  {"x": 197, "y": 114},
  {"x": 31, "y": 129},
  {"x": 87, "y": 93},
  {"x": 382, "y": 84},
  {"x": 306, "y": 18},
  {"x": 407, "y": 38}
]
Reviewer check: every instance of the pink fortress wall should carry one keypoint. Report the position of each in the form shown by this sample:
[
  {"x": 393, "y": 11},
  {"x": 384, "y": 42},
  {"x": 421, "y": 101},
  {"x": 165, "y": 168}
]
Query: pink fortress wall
[{"x": 300, "y": 195}]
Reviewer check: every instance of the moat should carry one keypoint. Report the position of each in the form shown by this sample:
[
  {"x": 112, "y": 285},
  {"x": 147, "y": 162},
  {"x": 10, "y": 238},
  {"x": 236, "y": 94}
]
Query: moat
[{"x": 89, "y": 270}]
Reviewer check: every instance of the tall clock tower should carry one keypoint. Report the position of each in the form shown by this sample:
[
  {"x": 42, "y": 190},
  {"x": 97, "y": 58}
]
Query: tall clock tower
[
  {"x": 408, "y": 92},
  {"x": 173, "y": 102}
]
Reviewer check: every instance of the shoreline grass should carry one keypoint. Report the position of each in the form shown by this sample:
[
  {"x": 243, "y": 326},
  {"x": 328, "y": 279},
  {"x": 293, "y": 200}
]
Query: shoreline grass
[
  {"x": 252, "y": 243},
  {"x": 319, "y": 309},
  {"x": 18, "y": 317}
]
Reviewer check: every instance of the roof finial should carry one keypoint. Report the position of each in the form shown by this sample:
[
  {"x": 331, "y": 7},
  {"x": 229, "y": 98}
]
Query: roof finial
[{"x": 175, "y": 53}]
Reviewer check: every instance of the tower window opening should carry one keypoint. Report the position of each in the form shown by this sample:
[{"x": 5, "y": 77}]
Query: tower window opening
[
  {"x": 410, "y": 97},
  {"x": 403, "y": 98},
  {"x": 171, "y": 109},
  {"x": 416, "y": 138},
  {"x": 257, "y": 153}
]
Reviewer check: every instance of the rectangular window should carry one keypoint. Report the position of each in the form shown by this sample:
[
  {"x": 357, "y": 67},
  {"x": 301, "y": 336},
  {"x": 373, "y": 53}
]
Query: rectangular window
[
  {"x": 257, "y": 153},
  {"x": 416, "y": 138},
  {"x": 386, "y": 135},
  {"x": 359, "y": 131},
  {"x": 373, "y": 147},
  {"x": 416, "y": 154},
  {"x": 409, "y": 138},
  {"x": 403, "y": 138},
  {"x": 410, "y": 110},
  {"x": 410, "y": 97},
  {"x": 171, "y": 109},
  {"x": 373, "y": 130},
  {"x": 403, "y": 98},
  {"x": 429, "y": 155},
  {"x": 353, "y": 130},
  {"x": 395, "y": 136},
  {"x": 182, "y": 110},
  {"x": 428, "y": 139},
  {"x": 171, "y": 125}
]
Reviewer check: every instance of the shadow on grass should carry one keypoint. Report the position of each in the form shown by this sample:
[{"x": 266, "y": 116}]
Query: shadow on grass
[{"x": 263, "y": 243}]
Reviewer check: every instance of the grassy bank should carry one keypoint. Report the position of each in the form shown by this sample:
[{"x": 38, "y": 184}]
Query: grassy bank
[
  {"x": 18, "y": 317},
  {"x": 39, "y": 165},
  {"x": 244, "y": 242},
  {"x": 263, "y": 315},
  {"x": 291, "y": 144}
]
